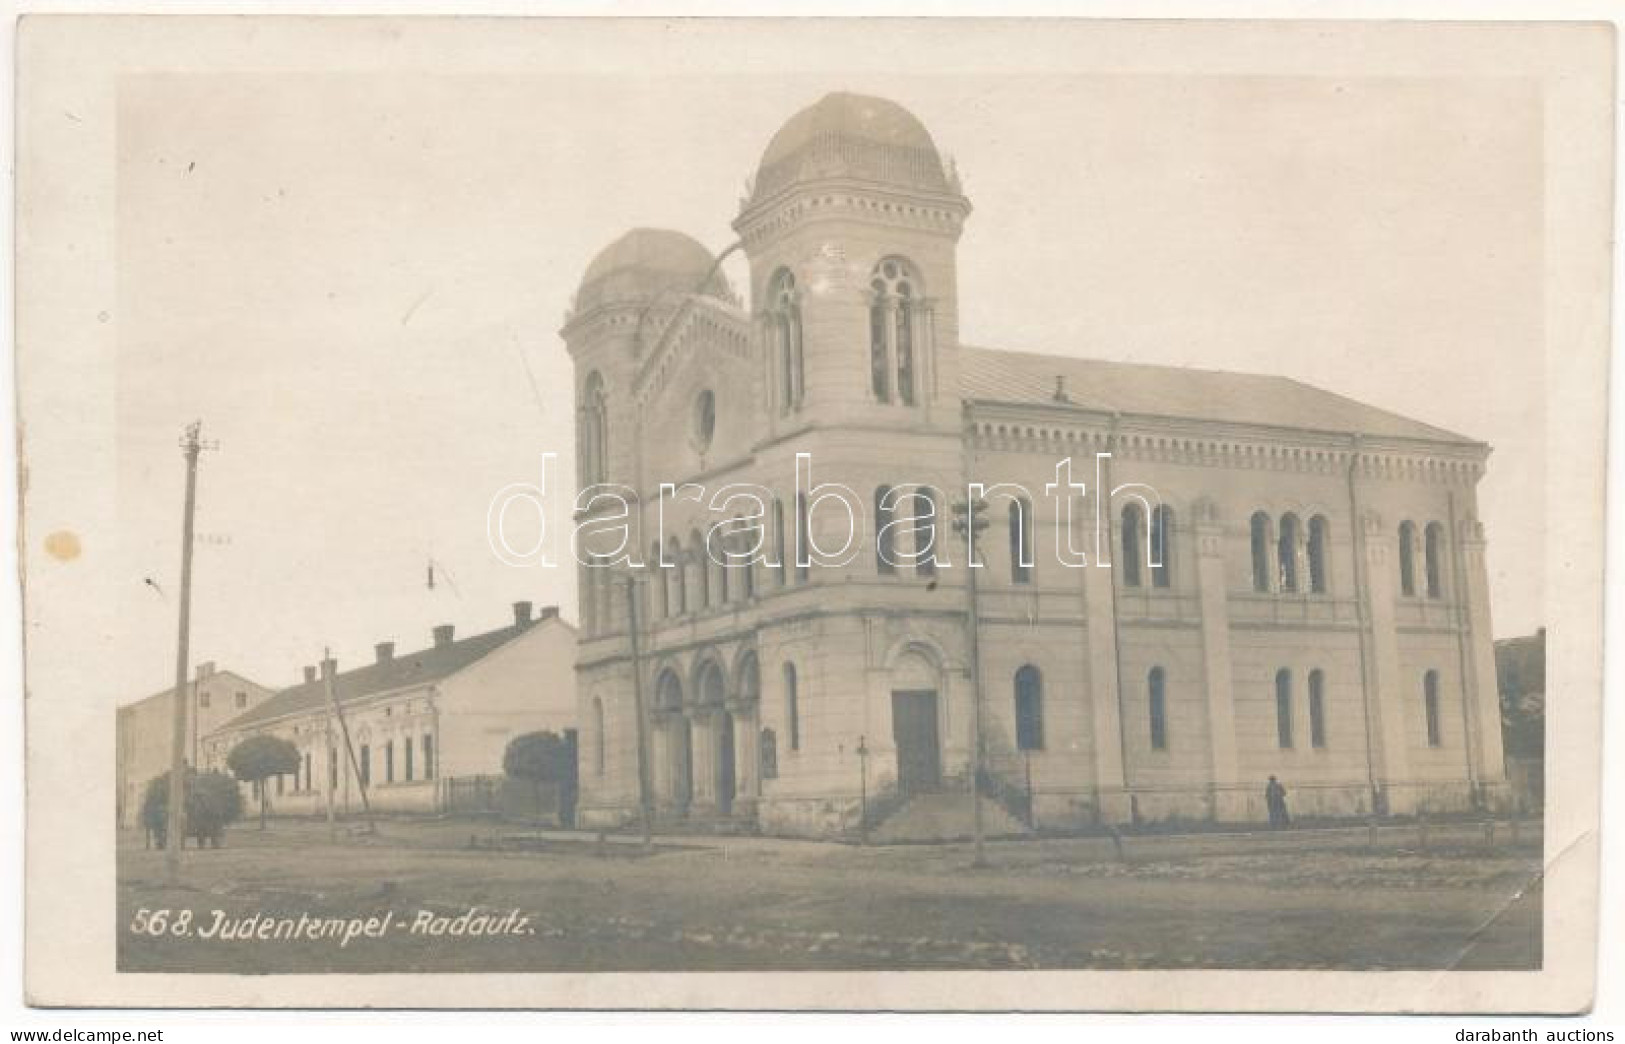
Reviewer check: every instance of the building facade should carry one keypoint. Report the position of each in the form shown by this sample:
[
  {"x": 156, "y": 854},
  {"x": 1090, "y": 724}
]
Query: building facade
[
  {"x": 146, "y": 730},
  {"x": 417, "y": 721},
  {"x": 1283, "y": 582}
]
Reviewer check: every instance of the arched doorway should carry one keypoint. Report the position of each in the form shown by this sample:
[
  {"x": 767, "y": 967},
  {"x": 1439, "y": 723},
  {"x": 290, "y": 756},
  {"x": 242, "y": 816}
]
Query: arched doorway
[
  {"x": 915, "y": 730},
  {"x": 727, "y": 774},
  {"x": 713, "y": 745},
  {"x": 674, "y": 741}
]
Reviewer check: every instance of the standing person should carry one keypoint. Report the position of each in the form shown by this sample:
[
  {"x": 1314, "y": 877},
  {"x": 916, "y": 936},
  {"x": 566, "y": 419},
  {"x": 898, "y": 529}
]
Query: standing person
[{"x": 1275, "y": 799}]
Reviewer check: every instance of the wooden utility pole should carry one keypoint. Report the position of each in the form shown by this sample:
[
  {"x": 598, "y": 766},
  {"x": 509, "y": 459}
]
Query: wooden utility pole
[
  {"x": 174, "y": 835},
  {"x": 330, "y": 670},
  {"x": 644, "y": 813},
  {"x": 970, "y": 521},
  {"x": 330, "y": 780}
]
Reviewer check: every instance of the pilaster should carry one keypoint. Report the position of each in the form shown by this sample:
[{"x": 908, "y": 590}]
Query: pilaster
[{"x": 1217, "y": 671}]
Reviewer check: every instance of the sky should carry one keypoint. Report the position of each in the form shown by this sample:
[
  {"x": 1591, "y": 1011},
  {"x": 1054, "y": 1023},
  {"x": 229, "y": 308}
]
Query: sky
[{"x": 356, "y": 280}]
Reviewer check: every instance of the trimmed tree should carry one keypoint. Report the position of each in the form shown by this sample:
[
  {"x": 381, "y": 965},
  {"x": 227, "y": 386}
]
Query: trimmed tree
[
  {"x": 540, "y": 757},
  {"x": 258, "y": 758}
]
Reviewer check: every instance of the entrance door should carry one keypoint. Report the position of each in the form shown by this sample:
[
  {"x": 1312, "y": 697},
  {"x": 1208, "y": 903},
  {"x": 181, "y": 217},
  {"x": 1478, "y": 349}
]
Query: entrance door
[
  {"x": 914, "y": 729},
  {"x": 727, "y": 779}
]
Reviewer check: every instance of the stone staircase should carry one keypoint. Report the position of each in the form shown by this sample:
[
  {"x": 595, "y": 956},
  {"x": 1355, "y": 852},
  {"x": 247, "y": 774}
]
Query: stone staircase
[{"x": 944, "y": 816}]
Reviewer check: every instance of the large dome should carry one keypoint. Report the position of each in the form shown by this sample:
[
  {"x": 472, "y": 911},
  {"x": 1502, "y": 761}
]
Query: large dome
[
  {"x": 646, "y": 262},
  {"x": 851, "y": 136}
]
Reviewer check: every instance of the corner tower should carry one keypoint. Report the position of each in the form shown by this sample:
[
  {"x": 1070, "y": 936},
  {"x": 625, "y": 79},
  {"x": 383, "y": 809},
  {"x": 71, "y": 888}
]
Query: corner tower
[
  {"x": 629, "y": 291},
  {"x": 851, "y": 229}
]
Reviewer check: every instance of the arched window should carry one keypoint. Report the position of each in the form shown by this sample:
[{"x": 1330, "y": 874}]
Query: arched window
[
  {"x": 1029, "y": 709},
  {"x": 699, "y": 588},
  {"x": 745, "y": 583},
  {"x": 1317, "y": 554},
  {"x": 785, "y": 553},
  {"x": 1430, "y": 707},
  {"x": 718, "y": 575},
  {"x": 658, "y": 605},
  {"x": 1261, "y": 552},
  {"x": 892, "y": 348},
  {"x": 792, "y": 711},
  {"x": 1317, "y": 709},
  {"x": 1291, "y": 537},
  {"x": 1133, "y": 527},
  {"x": 1156, "y": 689},
  {"x": 1407, "y": 558},
  {"x": 1021, "y": 541},
  {"x": 1162, "y": 531},
  {"x": 885, "y": 539},
  {"x": 784, "y": 321},
  {"x": 594, "y": 430},
  {"x": 925, "y": 532},
  {"x": 1433, "y": 559},
  {"x": 597, "y": 736},
  {"x": 676, "y": 592},
  {"x": 1283, "y": 708},
  {"x": 669, "y": 691},
  {"x": 803, "y": 538}
]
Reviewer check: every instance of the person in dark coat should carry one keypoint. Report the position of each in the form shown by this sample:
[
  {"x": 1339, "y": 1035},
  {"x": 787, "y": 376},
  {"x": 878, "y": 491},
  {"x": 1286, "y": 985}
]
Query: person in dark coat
[{"x": 1275, "y": 799}]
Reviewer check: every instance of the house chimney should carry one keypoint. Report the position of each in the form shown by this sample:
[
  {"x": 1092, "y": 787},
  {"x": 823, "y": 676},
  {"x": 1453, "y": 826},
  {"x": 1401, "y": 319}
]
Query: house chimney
[
  {"x": 330, "y": 667},
  {"x": 205, "y": 669},
  {"x": 548, "y": 612},
  {"x": 521, "y": 614},
  {"x": 310, "y": 675},
  {"x": 385, "y": 651},
  {"x": 442, "y": 635}
]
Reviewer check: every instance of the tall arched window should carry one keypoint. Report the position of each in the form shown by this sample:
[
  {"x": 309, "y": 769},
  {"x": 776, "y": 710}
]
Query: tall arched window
[
  {"x": 1162, "y": 531},
  {"x": 658, "y": 605},
  {"x": 1407, "y": 558},
  {"x": 784, "y": 320},
  {"x": 1283, "y": 708},
  {"x": 1291, "y": 537},
  {"x": 676, "y": 588},
  {"x": 1433, "y": 559},
  {"x": 925, "y": 532},
  {"x": 783, "y": 552},
  {"x": 597, "y": 736},
  {"x": 803, "y": 536},
  {"x": 594, "y": 430},
  {"x": 744, "y": 584},
  {"x": 892, "y": 348},
  {"x": 1029, "y": 709},
  {"x": 1430, "y": 707},
  {"x": 1317, "y": 554},
  {"x": 1021, "y": 541},
  {"x": 719, "y": 575},
  {"x": 1133, "y": 527},
  {"x": 699, "y": 573},
  {"x": 1317, "y": 709},
  {"x": 885, "y": 538},
  {"x": 1262, "y": 539},
  {"x": 792, "y": 709},
  {"x": 1156, "y": 688}
]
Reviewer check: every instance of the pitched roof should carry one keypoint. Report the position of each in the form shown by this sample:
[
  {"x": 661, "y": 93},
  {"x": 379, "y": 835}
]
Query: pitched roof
[
  {"x": 422, "y": 667},
  {"x": 169, "y": 690},
  {"x": 1028, "y": 378}
]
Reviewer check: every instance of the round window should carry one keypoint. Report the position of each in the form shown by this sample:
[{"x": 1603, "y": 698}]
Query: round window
[{"x": 705, "y": 418}]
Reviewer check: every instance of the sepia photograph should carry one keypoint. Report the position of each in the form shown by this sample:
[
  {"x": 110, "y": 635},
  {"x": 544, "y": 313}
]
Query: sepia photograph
[{"x": 807, "y": 499}]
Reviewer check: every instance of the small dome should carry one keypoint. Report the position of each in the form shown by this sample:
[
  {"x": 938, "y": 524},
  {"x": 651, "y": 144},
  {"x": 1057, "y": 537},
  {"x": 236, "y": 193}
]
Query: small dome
[
  {"x": 851, "y": 136},
  {"x": 646, "y": 262}
]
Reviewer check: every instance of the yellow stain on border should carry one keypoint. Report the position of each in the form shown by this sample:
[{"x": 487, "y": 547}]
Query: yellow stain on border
[{"x": 63, "y": 545}]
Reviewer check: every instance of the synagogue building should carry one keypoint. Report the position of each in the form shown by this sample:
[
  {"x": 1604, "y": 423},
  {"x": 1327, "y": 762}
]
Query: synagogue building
[{"x": 1286, "y": 582}]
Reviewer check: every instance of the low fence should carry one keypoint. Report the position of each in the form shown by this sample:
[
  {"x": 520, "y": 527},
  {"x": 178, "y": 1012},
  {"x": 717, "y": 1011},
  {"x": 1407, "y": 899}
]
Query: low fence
[{"x": 507, "y": 798}]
